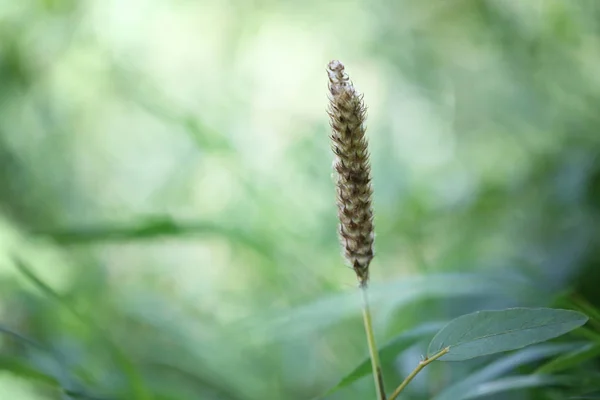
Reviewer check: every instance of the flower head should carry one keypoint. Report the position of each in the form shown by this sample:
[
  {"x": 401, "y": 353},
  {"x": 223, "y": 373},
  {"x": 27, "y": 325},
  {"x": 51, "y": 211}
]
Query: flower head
[{"x": 352, "y": 169}]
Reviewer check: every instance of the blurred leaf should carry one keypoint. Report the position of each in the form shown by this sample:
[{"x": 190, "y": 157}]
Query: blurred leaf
[
  {"x": 594, "y": 395},
  {"x": 580, "y": 304},
  {"x": 62, "y": 371},
  {"x": 78, "y": 395},
  {"x": 144, "y": 228},
  {"x": 193, "y": 380},
  {"x": 397, "y": 293},
  {"x": 587, "y": 308},
  {"x": 21, "y": 338},
  {"x": 513, "y": 383},
  {"x": 389, "y": 352},
  {"x": 24, "y": 370},
  {"x": 488, "y": 332},
  {"x": 502, "y": 366},
  {"x": 157, "y": 226},
  {"x": 132, "y": 84},
  {"x": 588, "y": 334},
  {"x": 135, "y": 379},
  {"x": 572, "y": 359}
]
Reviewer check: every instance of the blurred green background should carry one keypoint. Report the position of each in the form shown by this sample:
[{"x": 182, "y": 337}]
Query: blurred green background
[{"x": 167, "y": 213}]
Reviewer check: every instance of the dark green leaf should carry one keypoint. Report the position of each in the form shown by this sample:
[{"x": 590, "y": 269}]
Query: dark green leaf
[
  {"x": 590, "y": 396},
  {"x": 572, "y": 359},
  {"x": 135, "y": 378},
  {"x": 20, "y": 338},
  {"x": 512, "y": 383},
  {"x": 8, "y": 363},
  {"x": 148, "y": 228},
  {"x": 488, "y": 332},
  {"x": 24, "y": 370},
  {"x": 501, "y": 367}
]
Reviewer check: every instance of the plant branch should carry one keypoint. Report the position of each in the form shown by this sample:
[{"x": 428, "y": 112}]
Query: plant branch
[
  {"x": 421, "y": 365},
  {"x": 375, "y": 364}
]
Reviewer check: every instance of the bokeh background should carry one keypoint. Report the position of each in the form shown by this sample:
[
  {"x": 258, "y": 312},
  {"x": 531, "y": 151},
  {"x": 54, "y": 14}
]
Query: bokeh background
[{"x": 167, "y": 213}]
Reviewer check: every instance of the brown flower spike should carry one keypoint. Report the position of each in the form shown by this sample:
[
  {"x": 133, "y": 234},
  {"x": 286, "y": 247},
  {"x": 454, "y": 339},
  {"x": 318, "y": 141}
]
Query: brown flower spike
[{"x": 353, "y": 172}]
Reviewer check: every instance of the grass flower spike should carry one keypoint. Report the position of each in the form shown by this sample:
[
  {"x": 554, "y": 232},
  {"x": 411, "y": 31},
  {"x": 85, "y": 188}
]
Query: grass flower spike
[
  {"x": 354, "y": 193},
  {"x": 353, "y": 172}
]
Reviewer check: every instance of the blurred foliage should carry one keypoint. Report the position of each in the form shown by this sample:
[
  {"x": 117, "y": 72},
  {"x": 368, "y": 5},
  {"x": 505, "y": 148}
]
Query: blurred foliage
[{"x": 167, "y": 219}]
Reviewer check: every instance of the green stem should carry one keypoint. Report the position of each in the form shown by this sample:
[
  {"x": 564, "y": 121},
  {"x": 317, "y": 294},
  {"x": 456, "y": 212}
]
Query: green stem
[
  {"x": 421, "y": 365},
  {"x": 375, "y": 364}
]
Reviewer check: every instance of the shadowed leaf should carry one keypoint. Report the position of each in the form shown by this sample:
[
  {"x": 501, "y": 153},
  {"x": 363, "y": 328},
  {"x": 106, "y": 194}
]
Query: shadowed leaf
[
  {"x": 502, "y": 366},
  {"x": 513, "y": 383},
  {"x": 572, "y": 359}
]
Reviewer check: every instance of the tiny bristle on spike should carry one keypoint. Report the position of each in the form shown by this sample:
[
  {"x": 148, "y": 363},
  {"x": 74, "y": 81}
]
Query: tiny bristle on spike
[{"x": 347, "y": 115}]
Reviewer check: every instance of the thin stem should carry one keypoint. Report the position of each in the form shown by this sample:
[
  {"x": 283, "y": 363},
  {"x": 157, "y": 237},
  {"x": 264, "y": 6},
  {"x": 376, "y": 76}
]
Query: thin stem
[
  {"x": 375, "y": 364},
  {"x": 421, "y": 365}
]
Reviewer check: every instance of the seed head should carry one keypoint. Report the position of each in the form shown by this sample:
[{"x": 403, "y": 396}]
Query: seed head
[{"x": 352, "y": 170}]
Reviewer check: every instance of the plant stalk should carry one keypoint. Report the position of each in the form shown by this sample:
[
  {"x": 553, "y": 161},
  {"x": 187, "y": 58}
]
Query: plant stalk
[
  {"x": 421, "y": 365},
  {"x": 375, "y": 363}
]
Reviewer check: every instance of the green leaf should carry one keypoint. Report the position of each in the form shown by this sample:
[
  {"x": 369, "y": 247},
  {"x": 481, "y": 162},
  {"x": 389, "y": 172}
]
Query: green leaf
[
  {"x": 488, "y": 332},
  {"x": 589, "y": 334},
  {"x": 513, "y": 383},
  {"x": 318, "y": 315},
  {"x": 572, "y": 359},
  {"x": 585, "y": 307},
  {"x": 135, "y": 378},
  {"x": 388, "y": 352},
  {"x": 7, "y": 363},
  {"x": 20, "y": 338},
  {"x": 501, "y": 366},
  {"x": 144, "y": 228},
  {"x": 24, "y": 370},
  {"x": 594, "y": 395}
]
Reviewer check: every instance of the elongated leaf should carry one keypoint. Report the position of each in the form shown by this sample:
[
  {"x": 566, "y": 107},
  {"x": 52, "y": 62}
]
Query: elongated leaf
[
  {"x": 502, "y": 366},
  {"x": 589, "y": 396},
  {"x": 62, "y": 370},
  {"x": 488, "y": 332},
  {"x": 144, "y": 228},
  {"x": 309, "y": 318},
  {"x": 585, "y": 307},
  {"x": 572, "y": 359},
  {"x": 589, "y": 334},
  {"x": 388, "y": 352},
  {"x": 19, "y": 337},
  {"x": 513, "y": 383},
  {"x": 134, "y": 377},
  {"x": 22, "y": 369}
]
